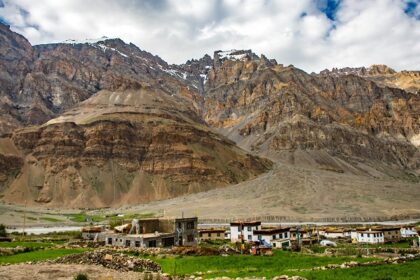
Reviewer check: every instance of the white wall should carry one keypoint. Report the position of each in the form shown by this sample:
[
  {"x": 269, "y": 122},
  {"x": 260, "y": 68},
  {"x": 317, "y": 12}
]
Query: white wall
[
  {"x": 247, "y": 232},
  {"x": 369, "y": 237}
]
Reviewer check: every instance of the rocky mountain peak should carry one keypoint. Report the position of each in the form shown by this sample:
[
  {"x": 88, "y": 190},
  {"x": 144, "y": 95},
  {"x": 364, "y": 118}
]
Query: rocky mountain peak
[
  {"x": 380, "y": 69},
  {"x": 220, "y": 56}
]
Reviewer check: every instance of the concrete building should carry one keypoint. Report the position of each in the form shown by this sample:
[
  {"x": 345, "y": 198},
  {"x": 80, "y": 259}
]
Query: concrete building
[
  {"x": 155, "y": 233},
  {"x": 146, "y": 240},
  {"x": 244, "y": 231},
  {"x": 92, "y": 233},
  {"x": 212, "y": 234},
  {"x": 277, "y": 237},
  {"x": 391, "y": 234},
  {"x": 408, "y": 231},
  {"x": 303, "y": 233},
  {"x": 368, "y": 237}
]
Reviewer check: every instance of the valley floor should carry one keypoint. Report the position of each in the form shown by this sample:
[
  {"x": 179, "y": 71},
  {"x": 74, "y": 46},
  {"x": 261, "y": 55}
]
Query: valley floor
[{"x": 289, "y": 193}]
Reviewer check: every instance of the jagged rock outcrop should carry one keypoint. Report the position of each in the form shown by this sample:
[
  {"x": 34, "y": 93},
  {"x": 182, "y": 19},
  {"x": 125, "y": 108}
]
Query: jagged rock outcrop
[
  {"x": 43, "y": 81},
  {"x": 382, "y": 75},
  {"x": 275, "y": 108}
]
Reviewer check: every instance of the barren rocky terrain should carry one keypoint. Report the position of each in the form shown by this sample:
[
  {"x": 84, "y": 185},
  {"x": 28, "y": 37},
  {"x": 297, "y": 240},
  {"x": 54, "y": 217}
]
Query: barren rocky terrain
[
  {"x": 291, "y": 194},
  {"x": 106, "y": 124}
]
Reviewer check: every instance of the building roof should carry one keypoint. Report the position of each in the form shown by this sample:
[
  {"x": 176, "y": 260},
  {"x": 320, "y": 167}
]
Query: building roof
[
  {"x": 92, "y": 229},
  {"x": 370, "y": 231},
  {"x": 186, "y": 219},
  {"x": 142, "y": 235},
  {"x": 389, "y": 229},
  {"x": 270, "y": 231},
  {"x": 212, "y": 230},
  {"x": 251, "y": 223},
  {"x": 300, "y": 230},
  {"x": 335, "y": 230}
]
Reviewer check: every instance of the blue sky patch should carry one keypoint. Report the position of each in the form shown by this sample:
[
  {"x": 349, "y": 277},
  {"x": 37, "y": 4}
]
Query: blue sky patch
[
  {"x": 2, "y": 20},
  {"x": 329, "y": 7},
  {"x": 410, "y": 8}
]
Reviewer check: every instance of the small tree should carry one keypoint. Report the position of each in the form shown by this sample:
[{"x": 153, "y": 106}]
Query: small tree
[{"x": 3, "y": 232}]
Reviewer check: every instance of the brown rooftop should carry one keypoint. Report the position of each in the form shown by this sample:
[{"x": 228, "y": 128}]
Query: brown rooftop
[
  {"x": 211, "y": 230},
  {"x": 271, "y": 230},
  {"x": 252, "y": 223}
]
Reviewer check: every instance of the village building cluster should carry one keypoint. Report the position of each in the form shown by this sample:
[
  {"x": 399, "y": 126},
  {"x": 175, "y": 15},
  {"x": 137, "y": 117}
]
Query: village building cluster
[
  {"x": 284, "y": 237},
  {"x": 168, "y": 232}
]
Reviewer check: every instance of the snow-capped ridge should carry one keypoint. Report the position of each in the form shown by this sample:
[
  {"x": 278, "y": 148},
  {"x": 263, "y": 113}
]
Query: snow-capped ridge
[{"x": 86, "y": 41}]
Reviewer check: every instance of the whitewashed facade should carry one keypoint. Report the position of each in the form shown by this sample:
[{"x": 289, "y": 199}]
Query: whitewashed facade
[
  {"x": 237, "y": 229},
  {"x": 408, "y": 231},
  {"x": 368, "y": 237}
]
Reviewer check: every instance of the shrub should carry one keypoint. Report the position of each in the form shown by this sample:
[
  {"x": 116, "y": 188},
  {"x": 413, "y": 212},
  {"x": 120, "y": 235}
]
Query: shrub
[
  {"x": 3, "y": 232},
  {"x": 81, "y": 276}
]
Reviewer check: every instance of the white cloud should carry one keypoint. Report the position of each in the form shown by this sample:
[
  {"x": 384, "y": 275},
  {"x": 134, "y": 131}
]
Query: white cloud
[{"x": 293, "y": 32}]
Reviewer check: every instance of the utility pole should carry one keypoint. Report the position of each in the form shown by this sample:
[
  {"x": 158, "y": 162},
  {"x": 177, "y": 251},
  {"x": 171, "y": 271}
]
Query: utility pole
[
  {"x": 24, "y": 220},
  {"x": 113, "y": 179}
]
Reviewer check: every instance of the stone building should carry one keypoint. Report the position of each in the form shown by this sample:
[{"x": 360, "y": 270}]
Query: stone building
[{"x": 155, "y": 232}]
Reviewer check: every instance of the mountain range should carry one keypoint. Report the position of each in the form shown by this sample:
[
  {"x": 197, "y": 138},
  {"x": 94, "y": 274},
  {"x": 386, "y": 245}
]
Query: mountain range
[{"x": 101, "y": 123}]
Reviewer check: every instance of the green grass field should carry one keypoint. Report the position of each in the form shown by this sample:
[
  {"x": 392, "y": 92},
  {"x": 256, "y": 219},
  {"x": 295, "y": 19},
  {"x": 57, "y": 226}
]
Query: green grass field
[
  {"x": 39, "y": 255},
  {"x": 27, "y": 244},
  {"x": 405, "y": 271},
  {"x": 244, "y": 266}
]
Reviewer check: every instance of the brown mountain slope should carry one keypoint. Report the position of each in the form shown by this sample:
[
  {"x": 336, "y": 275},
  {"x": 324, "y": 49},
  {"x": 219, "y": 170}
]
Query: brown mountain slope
[
  {"x": 125, "y": 147},
  {"x": 292, "y": 192}
]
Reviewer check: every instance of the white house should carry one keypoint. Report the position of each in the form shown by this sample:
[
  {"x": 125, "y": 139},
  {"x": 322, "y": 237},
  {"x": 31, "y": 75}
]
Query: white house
[
  {"x": 278, "y": 237},
  {"x": 243, "y": 231},
  {"x": 408, "y": 231},
  {"x": 369, "y": 236}
]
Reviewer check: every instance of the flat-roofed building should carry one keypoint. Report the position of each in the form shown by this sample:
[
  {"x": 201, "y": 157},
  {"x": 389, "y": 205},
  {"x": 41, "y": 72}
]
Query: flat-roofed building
[
  {"x": 368, "y": 237},
  {"x": 212, "y": 234},
  {"x": 278, "y": 237},
  {"x": 243, "y": 231}
]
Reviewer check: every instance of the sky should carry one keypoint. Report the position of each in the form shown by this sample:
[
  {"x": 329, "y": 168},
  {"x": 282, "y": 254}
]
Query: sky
[{"x": 310, "y": 34}]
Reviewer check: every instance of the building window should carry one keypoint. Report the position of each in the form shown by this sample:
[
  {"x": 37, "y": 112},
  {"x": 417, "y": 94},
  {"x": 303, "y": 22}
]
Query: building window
[
  {"x": 127, "y": 243},
  {"x": 137, "y": 244},
  {"x": 218, "y": 234},
  {"x": 274, "y": 236},
  {"x": 152, "y": 243},
  {"x": 208, "y": 235},
  {"x": 110, "y": 240},
  {"x": 259, "y": 237},
  {"x": 190, "y": 238},
  {"x": 249, "y": 228},
  {"x": 201, "y": 234},
  {"x": 249, "y": 237},
  {"x": 190, "y": 225}
]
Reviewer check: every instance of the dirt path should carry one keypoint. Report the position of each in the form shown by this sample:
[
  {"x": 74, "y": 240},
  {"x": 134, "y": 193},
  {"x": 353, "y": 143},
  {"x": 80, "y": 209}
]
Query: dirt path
[{"x": 62, "y": 272}]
